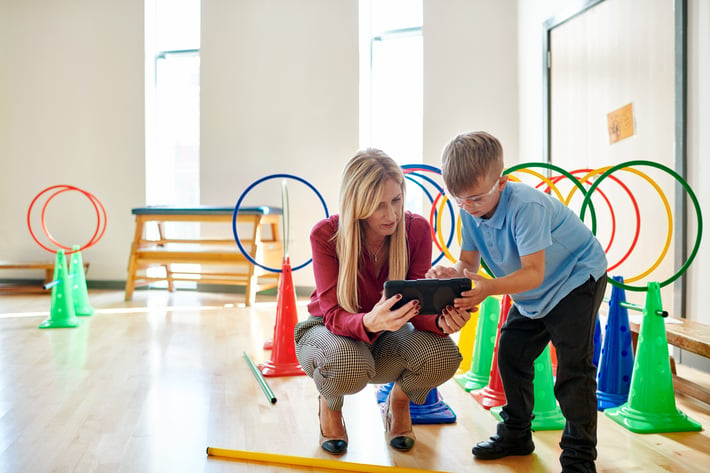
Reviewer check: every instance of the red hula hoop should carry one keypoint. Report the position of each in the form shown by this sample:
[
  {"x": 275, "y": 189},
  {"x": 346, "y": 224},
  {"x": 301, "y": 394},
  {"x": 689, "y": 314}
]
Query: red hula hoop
[
  {"x": 101, "y": 218},
  {"x": 636, "y": 211}
]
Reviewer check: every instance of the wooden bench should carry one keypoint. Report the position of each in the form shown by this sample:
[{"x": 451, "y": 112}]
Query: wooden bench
[
  {"x": 686, "y": 335},
  {"x": 220, "y": 260},
  {"x": 47, "y": 267}
]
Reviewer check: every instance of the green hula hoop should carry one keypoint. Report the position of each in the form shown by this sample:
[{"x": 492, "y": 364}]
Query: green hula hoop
[
  {"x": 569, "y": 176},
  {"x": 690, "y": 193},
  {"x": 565, "y": 173}
]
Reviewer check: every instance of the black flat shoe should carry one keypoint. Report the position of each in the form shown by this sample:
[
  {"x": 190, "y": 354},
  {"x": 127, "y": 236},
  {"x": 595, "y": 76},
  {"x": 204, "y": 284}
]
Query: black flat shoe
[
  {"x": 332, "y": 445},
  {"x": 498, "y": 447},
  {"x": 403, "y": 441}
]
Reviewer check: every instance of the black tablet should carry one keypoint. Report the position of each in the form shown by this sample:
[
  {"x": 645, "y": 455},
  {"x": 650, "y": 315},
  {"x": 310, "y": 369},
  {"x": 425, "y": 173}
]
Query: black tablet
[{"x": 433, "y": 294}]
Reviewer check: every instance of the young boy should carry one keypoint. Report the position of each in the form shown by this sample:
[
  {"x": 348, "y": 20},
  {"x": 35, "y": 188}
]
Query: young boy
[{"x": 554, "y": 269}]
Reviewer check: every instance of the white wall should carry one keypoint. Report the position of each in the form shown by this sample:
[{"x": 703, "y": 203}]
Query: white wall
[
  {"x": 531, "y": 16},
  {"x": 698, "y": 172},
  {"x": 279, "y": 92},
  {"x": 470, "y": 73},
  {"x": 71, "y": 112}
]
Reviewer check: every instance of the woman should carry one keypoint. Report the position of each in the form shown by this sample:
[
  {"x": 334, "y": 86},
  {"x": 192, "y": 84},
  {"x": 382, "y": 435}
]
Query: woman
[{"x": 352, "y": 338}]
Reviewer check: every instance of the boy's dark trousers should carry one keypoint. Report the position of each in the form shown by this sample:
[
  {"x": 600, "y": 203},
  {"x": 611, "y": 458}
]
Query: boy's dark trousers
[{"x": 570, "y": 326}]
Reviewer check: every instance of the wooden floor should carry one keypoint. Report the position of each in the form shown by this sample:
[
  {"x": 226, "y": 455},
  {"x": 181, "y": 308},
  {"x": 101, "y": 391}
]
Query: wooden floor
[{"x": 147, "y": 385}]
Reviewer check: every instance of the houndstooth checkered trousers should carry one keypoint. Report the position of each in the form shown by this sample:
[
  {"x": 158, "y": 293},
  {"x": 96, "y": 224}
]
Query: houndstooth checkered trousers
[{"x": 419, "y": 361}]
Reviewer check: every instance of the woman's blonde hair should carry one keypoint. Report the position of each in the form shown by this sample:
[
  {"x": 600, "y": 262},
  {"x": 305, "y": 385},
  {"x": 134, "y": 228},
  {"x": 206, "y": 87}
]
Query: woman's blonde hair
[
  {"x": 470, "y": 158},
  {"x": 361, "y": 191}
]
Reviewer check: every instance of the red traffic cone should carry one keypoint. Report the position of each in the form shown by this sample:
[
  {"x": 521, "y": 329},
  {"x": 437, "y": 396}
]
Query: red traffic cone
[
  {"x": 553, "y": 359},
  {"x": 493, "y": 395},
  {"x": 283, "y": 353}
]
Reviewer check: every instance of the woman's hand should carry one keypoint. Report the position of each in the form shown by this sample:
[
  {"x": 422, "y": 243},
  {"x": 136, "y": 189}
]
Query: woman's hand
[
  {"x": 452, "y": 319},
  {"x": 382, "y": 317}
]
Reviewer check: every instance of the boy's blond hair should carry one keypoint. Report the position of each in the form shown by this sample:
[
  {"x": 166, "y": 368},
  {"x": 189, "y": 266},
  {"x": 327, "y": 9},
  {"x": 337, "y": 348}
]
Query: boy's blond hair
[
  {"x": 360, "y": 193},
  {"x": 469, "y": 159}
]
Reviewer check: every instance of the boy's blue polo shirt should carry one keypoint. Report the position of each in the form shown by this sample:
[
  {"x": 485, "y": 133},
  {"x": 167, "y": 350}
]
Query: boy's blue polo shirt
[{"x": 526, "y": 221}]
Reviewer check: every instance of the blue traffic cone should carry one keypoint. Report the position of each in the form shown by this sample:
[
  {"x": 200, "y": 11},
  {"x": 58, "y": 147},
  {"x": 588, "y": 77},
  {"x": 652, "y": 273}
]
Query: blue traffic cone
[
  {"x": 597, "y": 342},
  {"x": 617, "y": 357},
  {"x": 433, "y": 411}
]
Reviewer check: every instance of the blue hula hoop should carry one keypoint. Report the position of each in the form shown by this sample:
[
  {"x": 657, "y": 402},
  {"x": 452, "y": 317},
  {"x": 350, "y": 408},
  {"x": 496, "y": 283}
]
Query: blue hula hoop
[
  {"x": 431, "y": 200},
  {"x": 239, "y": 204}
]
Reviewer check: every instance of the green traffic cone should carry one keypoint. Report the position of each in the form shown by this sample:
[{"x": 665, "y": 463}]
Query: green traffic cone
[
  {"x": 61, "y": 314},
  {"x": 479, "y": 373},
  {"x": 651, "y": 406},
  {"x": 547, "y": 413},
  {"x": 78, "y": 284}
]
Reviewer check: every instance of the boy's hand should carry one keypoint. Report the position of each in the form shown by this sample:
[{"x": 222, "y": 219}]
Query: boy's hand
[
  {"x": 452, "y": 319},
  {"x": 382, "y": 317},
  {"x": 472, "y": 298},
  {"x": 441, "y": 272}
]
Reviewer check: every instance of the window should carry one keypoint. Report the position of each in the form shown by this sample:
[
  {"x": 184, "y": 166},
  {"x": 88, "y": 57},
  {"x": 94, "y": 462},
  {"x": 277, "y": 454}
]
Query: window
[
  {"x": 172, "y": 102},
  {"x": 391, "y": 82},
  {"x": 391, "y": 78},
  {"x": 172, "y": 162}
]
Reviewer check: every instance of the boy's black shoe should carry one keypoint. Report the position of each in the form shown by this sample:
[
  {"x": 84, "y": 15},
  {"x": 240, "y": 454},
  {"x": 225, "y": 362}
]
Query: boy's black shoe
[{"x": 498, "y": 447}]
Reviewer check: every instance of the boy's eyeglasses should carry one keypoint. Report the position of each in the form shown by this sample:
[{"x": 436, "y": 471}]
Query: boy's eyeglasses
[{"x": 476, "y": 200}]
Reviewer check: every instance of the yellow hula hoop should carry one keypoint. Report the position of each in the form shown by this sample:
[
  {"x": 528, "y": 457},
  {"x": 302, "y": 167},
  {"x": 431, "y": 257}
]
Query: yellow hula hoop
[
  {"x": 666, "y": 205},
  {"x": 582, "y": 181},
  {"x": 440, "y": 235},
  {"x": 546, "y": 180}
]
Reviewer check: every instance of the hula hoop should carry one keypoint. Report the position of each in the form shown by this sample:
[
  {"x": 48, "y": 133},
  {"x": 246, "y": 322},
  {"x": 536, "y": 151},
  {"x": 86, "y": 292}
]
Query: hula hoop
[
  {"x": 421, "y": 167},
  {"x": 431, "y": 201},
  {"x": 523, "y": 168},
  {"x": 548, "y": 181},
  {"x": 552, "y": 186},
  {"x": 483, "y": 270},
  {"x": 49, "y": 235},
  {"x": 285, "y": 216},
  {"x": 612, "y": 213},
  {"x": 669, "y": 216},
  {"x": 455, "y": 228},
  {"x": 408, "y": 173},
  {"x": 690, "y": 193},
  {"x": 101, "y": 219},
  {"x": 574, "y": 180},
  {"x": 239, "y": 204},
  {"x": 606, "y": 199},
  {"x": 411, "y": 169},
  {"x": 591, "y": 173}
]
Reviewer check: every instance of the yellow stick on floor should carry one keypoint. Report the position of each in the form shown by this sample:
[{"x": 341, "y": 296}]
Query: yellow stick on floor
[{"x": 309, "y": 462}]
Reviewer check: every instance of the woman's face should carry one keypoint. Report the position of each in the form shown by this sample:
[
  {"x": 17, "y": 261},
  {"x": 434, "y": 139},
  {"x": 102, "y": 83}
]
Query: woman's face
[{"x": 389, "y": 210}]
